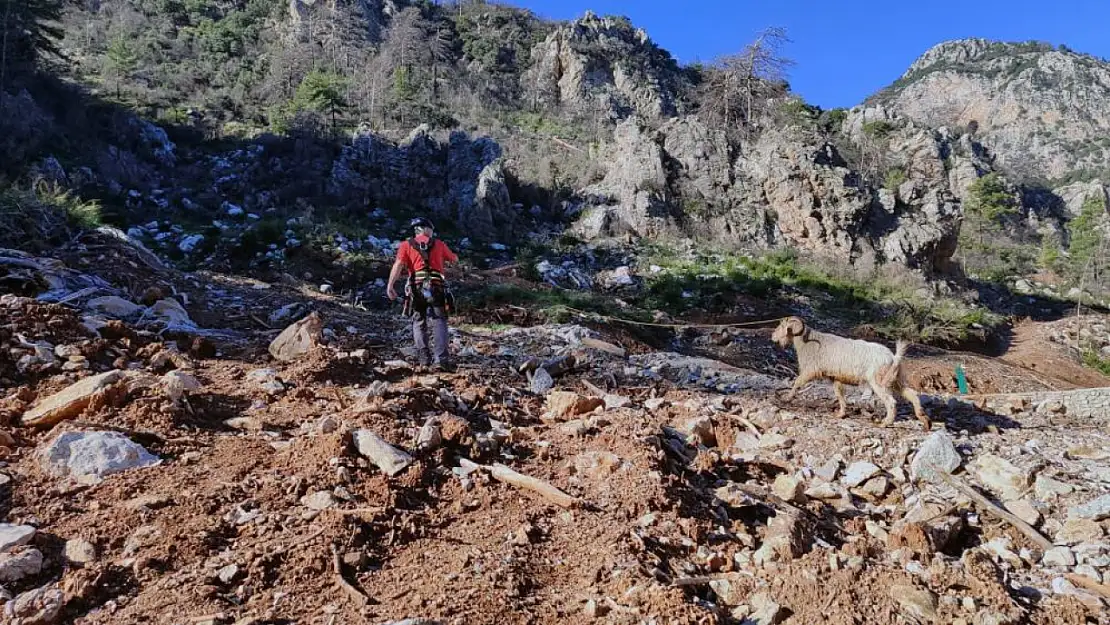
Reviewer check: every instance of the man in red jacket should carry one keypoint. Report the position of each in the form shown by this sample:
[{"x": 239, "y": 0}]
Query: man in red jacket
[{"x": 424, "y": 258}]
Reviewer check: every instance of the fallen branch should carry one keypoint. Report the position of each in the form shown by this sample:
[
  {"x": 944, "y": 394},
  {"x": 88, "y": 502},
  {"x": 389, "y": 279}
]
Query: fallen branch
[
  {"x": 775, "y": 500},
  {"x": 355, "y": 511},
  {"x": 260, "y": 322},
  {"x": 356, "y": 595},
  {"x": 502, "y": 473},
  {"x": 568, "y": 145},
  {"x": 994, "y": 510},
  {"x": 705, "y": 579},
  {"x": 748, "y": 424},
  {"x": 1088, "y": 584}
]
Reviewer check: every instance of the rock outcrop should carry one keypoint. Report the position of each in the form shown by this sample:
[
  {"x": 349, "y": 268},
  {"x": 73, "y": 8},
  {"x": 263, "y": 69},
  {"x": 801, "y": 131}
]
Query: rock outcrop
[
  {"x": 462, "y": 179},
  {"x": 604, "y": 65},
  {"x": 785, "y": 188}
]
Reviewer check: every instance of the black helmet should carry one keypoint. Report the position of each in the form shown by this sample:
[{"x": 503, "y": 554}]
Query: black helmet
[{"x": 421, "y": 222}]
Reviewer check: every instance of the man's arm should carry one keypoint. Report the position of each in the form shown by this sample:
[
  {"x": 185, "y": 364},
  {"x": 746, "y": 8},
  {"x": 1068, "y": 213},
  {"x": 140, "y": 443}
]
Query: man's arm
[{"x": 395, "y": 274}]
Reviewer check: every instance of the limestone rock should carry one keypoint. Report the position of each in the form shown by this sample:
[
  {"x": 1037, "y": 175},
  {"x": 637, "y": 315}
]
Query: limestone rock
[
  {"x": 937, "y": 452},
  {"x": 765, "y": 610},
  {"x": 18, "y": 564},
  {"x": 298, "y": 339},
  {"x": 114, "y": 306},
  {"x": 564, "y": 405},
  {"x": 789, "y": 488},
  {"x": 858, "y": 473},
  {"x": 1058, "y": 556},
  {"x": 320, "y": 500},
  {"x": 385, "y": 456},
  {"x": 917, "y": 603},
  {"x": 41, "y": 606},
  {"x": 1047, "y": 488},
  {"x": 596, "y": 465},
  {"x": 541, "y": 382},
  {"x": 1001, "y": 477},
  {"x": 12, "y": 536},
  {"x": 700, "y": 431},
  {"x": 81, "y": 552},
  {"x": 1096, "y": 510},
  {"x": 1077, "y": 531},
  {"x": 1024, "y": 510},
  {"x": 90, "y": 456},
  {"x": 71, "y": 401},
  {"x": 177, "y": 384}
]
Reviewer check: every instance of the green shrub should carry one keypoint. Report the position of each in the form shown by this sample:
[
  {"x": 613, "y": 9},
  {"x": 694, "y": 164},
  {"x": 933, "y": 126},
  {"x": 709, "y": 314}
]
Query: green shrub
[
  {"x": 894, "y": 178},
  {"x": 878, "y": 129},
  {"x": 1091, "y": 359}
]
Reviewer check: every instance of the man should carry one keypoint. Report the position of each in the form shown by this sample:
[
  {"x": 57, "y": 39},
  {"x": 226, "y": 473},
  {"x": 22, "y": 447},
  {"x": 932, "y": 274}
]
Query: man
[{"x": 426, "y": 296}]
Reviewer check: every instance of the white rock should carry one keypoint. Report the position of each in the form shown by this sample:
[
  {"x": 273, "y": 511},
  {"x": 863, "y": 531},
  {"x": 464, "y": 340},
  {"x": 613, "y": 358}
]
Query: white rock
[
  {"x": 78, "y": 551},
  {"x": 829, "y": 470},
  {"x": 858, "y": 473},
  {"x": 1001, "y": 476},
  {"x": 228, "y": 573},
  {"x": 114, "y": 306},
  {"x": 1075, "y": 531},
  {"x": 41, "y": 606},
  {"x": 1096, "y": 510},
  {"x": 789, "y": 488},
  {"x": 12, "y": 536},
  {"x": 1024, "y": 510},
  {"x": 89, "y": 456},
  {"x": 937, "y": 452},
  {"x": 17, "y": 565},
  {"x": 1058, "y": 556},
  {"x": 385, "y": 456},
  {"x": 1047, "y": 488},
  {"x": 1090, "y": 572},
  {"x": 320, "y": 500},
  {"x": 700, "y": 431},
  {"x": 190, "y": 242}
]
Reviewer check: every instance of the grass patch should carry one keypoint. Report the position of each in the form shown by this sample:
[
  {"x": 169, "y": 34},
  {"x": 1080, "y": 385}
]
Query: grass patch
[
  {"x": 551, "y": 304},
  {"x": 889, "y": 304},
  {"x": 31, "y": 219},
  {"x": 1092, "y": 360}
]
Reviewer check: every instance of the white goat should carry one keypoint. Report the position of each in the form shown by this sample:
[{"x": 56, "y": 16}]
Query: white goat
[{"x": 848, "y": 361}]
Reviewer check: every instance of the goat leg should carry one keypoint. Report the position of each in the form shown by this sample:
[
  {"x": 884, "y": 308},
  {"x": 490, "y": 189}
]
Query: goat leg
[
  {"x": 839, "y": 389},
  {"x": 911, "y": 396},
  {"x": 888, "y": 400}
]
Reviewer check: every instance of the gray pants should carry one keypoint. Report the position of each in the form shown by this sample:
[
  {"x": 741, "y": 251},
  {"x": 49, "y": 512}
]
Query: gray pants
[{"x": 437, "y": 317}]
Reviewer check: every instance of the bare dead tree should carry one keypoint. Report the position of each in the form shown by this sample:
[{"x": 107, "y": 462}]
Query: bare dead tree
[{"x": 737, "y": 84}]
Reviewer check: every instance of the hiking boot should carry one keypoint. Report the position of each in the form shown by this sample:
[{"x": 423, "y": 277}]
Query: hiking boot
[{"x": 445, "y": 366}]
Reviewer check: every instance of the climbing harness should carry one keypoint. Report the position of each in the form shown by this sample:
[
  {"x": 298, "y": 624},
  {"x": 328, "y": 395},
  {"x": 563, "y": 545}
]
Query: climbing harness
[{"x": 426, "y": 288}]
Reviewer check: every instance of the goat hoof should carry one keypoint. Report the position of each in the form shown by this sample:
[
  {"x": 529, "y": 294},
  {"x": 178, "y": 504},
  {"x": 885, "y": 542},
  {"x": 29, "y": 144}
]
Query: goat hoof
[{"x": 840, "y": 415}]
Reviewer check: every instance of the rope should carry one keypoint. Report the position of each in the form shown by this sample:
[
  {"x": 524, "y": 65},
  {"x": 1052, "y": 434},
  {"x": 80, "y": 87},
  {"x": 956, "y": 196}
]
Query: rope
[{"x": 742, "y": 324}]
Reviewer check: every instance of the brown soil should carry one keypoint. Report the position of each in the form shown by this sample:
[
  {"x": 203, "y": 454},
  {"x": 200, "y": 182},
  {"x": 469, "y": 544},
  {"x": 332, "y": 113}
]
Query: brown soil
[{"x": 427, "y": 542}]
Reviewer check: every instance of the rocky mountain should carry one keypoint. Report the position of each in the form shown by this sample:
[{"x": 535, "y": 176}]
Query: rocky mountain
[
  {"x": 525, "y": 127},
  {"x": 1043, "y": 110}
]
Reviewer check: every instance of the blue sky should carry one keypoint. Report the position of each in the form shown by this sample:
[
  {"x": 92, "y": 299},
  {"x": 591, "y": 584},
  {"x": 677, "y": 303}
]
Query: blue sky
[{"x": 846, "y": 51}]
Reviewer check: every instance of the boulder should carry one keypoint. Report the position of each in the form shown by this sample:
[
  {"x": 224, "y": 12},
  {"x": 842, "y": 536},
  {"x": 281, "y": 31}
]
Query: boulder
[
  {"x": 41, "y": 606},
  {"x": 1001, "y": 476},
  {"x": 1096, "y": 510},
  {"x": 1076, "y": 531},
  {"x": 177, "y": 384},
  {"x": 937, "y": 453},
  {"x": 170, "y": 312},
  {"x": 70, "y": 402},
  {"x": 565, "y": 405},
  {"x": 90, "y": 456},
  {"x": 858, "y": 473},
  {"x": 298, "y": 339},
  {"x": 12, "y": 536},
  {"x": 80, "y": 552},
  {"x": 919, "y": 604},
  {"x": 18, "y": 564}
]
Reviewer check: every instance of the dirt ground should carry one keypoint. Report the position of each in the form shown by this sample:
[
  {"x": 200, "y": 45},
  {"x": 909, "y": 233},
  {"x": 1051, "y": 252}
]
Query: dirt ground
[{"x": 263, "y": 510}]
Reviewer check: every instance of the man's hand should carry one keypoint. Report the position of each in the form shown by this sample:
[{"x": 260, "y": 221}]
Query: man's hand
[{"x": 391, "y": 292}]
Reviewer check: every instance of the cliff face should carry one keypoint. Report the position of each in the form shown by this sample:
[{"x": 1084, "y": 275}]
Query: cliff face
[{"x": 1044, "y": 112}]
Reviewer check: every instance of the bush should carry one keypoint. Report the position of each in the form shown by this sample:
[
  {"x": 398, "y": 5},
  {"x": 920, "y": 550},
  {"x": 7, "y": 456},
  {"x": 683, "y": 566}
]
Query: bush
[
  {"x": 878, "y": 129},
  {"x": 894, "y": 178},
  {"x": 1092, "y": 360},
  {"x": 43, "y": 217}
]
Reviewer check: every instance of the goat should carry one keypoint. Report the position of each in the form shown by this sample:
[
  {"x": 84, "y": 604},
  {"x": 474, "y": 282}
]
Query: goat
[{"x": 848, "y": 361}]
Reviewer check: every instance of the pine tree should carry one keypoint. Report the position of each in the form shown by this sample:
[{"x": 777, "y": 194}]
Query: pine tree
[
  {"x": 122, "y": 61},
  {"x": 28, "y": 28}
]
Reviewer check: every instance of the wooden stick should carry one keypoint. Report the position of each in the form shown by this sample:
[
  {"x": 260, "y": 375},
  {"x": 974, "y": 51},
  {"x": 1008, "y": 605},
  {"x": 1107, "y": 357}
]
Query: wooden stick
[
  {"x": 502, "y": 473},
  {"x": 705, "y": 579},
  {"x": 355, "y": 511},
  {"x": 778, "y": 502},
  {"x": 984, "y": 503},
  {"x": 748, "y": 424},
  {"x": 1088, "y": 584},
  {"x": 356, "y": 595}
]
